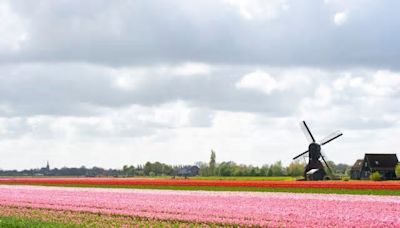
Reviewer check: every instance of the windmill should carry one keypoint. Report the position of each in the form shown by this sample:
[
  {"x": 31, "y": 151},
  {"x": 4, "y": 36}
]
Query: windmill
[{"x": 314, "y": 152}]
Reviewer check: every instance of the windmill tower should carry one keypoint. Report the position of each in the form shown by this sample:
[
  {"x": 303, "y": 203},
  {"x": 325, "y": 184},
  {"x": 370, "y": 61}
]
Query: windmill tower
[{"x": 314, "y": 152}]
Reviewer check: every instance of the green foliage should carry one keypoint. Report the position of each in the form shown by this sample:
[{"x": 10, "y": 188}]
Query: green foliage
[
  {"x": 295, "y": 169},
  {"x": 342, "y": 168},
  {"x": 345, "y": 178},
  {"x": 212, "y": 164},
  {"x": 156, "y": 169},
  {"x": 398, "y": 170},
  {"x": 203, "y": 169},
  {"x": 226, "y": 169},
  {"x": 13, "y": 222},
  {"x": 375, "y": 176},
  {"x": 269, "y": 173},
  {"x": 128, "y": 171},
  {"x": 276, "y": 169},
  {"x": 332, "y": 167},
  {"x": 147, "y": 168}
]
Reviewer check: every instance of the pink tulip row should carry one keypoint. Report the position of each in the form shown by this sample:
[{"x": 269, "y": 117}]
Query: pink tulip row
[{"x": 243, "y": 208}]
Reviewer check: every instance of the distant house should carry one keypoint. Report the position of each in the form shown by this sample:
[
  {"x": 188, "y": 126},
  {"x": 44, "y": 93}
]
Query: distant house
[
  {"x": 355, "y": 171},
  {"x": 188, "y": 171},
  {"x": 383, "y": 163}
]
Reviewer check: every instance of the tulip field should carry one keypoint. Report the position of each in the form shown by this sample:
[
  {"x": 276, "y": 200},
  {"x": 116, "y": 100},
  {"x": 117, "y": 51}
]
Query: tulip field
[
  {"x": 343, "y": 187},
  {"x": 22, "y": 201}
]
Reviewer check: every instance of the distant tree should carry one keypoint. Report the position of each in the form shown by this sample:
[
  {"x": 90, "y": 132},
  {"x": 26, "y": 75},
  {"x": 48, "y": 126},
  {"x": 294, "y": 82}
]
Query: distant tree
[
  {"x": 212, "y": 164},
  {"x": 240, "y": 170},
  {"x": 398, "y": 170},
  {"x": 157, "y": 168},
  {"x": 148, "y": 167},
  {"x": 167, "y": 170},
  {"x": 295, "y": 169},
  {"x": 264, "y": 170},
  {"x": 203, "y": 168},
  {"x": 270, "y": 172},
  {"x": 277, "y": 169},
  {"x": 254, "y": 171},
  {"x": 226, "y": 168},
  {"x": 128, "y": 170},
  {"x": 332, "y": 165},
  {"x": 342, "y": 168}
]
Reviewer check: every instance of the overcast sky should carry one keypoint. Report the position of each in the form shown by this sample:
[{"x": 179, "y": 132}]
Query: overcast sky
[{"x": 108, "y": 83}]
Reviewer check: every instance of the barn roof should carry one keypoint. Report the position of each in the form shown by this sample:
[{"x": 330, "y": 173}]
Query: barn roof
[
  {"x": 381, "y": 161},
  {"x": 358, "y": 165}
]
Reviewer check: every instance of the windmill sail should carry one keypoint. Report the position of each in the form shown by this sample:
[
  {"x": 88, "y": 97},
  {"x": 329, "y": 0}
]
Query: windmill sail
[
  {"x": 300, "y": 155},
  {"x": 331, "y": 137},
  {"x": 307, "y": 132},
  {"x": 329, "y": 168}
]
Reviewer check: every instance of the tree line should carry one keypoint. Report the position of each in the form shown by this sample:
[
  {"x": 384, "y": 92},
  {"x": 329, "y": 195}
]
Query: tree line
[
  {"x": 211, "y": 168},
  {"x": 227, "y": 168}
]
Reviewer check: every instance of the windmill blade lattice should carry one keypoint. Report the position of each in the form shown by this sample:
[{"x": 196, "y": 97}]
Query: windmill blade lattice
[
  {"x": 307, "y": 132},
  {"x": 330, "y": 137}
]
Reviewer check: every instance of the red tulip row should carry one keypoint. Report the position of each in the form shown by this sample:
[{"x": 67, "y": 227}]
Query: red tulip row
[{"x": 223, "y": 183}]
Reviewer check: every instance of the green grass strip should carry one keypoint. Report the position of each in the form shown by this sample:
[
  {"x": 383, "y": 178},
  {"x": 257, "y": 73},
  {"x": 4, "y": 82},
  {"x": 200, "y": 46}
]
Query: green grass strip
[{"x": 14, "y": 222}]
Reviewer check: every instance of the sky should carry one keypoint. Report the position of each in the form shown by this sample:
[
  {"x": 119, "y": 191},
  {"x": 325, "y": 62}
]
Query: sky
[{"x": 108, "y": 83}]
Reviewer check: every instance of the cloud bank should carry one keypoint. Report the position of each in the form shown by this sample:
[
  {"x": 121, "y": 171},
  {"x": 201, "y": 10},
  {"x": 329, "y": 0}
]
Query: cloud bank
[{"x": 108, "y": 83}]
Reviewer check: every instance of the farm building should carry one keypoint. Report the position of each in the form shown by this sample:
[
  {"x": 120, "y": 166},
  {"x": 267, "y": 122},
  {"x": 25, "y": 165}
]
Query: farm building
[
  {"x": 383, "y": 163},
  {"x": 188, "y": 171},
  {"x": 355, "y": 171}
]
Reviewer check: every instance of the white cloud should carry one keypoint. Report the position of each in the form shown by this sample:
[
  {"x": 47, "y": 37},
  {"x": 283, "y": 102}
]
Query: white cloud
[
  {"x": 259, "y": 80},
  {"x": 131, "y": 78},
  {"x": 340, "y": 18},
  {"x": 128, "y": 78},
  {"x": 258, "y": 9},
  {"x": 361, "y": 103},
  {"x": 12, "y": 28},
  {"x": 190, "y": 69},
  {"x": 282, "y": 80},
  {"x": 381, "y": 83}
]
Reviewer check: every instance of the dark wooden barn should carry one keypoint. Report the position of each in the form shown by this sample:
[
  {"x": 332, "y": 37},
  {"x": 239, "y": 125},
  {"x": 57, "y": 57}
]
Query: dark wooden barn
[
  {"x": 355, "y": 171},
  {"x": 385, "y": 164}
]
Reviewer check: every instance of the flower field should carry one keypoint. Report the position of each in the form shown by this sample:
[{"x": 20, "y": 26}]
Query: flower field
[
  {"x": 394, "y": 185},
  {"x": 221, "y": 208}
]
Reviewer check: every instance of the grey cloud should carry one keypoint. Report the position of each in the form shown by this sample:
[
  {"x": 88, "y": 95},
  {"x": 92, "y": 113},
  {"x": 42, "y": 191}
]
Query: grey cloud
[
  {"x": 72, "y": 89},
  {"x": 81, "y": 89},
  {"x": 144, "y": 32}
]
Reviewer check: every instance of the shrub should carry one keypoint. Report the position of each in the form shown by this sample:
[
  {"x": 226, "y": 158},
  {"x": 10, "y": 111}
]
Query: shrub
[
  {"x": 375, "y": 176},
  {"x": 345, "y": 178},
  {"x": 398, "y": 170}
]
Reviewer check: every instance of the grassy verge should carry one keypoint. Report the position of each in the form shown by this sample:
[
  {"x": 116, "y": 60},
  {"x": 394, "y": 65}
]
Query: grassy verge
[
  {"x": 244, "y": 189},
  {"x": 15, "y": 222},
  {"x": 36, "y": 217}
]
